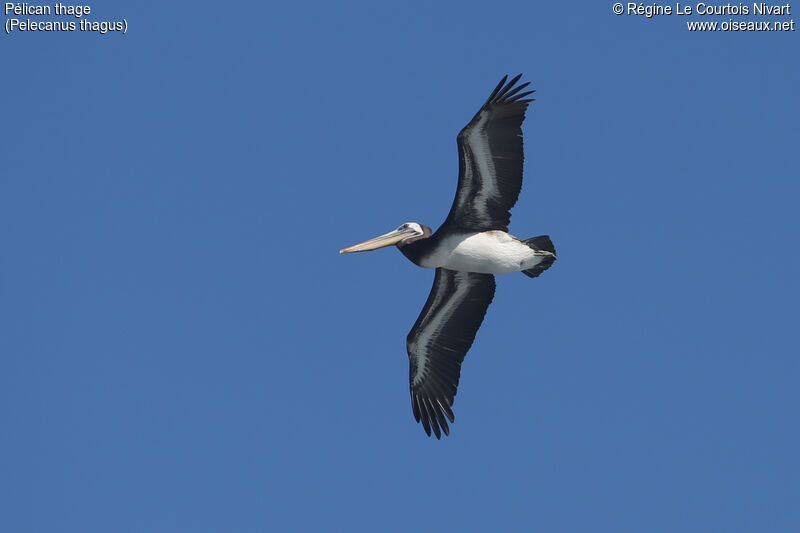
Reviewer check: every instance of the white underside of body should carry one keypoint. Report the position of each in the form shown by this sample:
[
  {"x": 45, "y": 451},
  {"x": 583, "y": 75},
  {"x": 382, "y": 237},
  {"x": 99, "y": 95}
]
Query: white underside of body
[{"x": 488, "y": 252}]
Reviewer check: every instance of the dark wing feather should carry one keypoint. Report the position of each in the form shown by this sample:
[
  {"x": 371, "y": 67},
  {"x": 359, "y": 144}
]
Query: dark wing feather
[
  {"x": 490, "y": 160},
  {"x": 439, "y": 341}
]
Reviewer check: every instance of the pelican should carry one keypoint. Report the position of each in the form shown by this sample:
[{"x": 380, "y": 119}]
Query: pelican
[{"x": 470, "y": 246}]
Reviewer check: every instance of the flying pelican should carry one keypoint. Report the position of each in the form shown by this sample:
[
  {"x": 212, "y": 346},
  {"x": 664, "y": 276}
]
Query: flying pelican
[{"x": 470, "y": 246}]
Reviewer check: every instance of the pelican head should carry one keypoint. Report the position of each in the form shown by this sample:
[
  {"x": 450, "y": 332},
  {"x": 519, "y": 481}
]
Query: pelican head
[{"x": 410, "y": 231}]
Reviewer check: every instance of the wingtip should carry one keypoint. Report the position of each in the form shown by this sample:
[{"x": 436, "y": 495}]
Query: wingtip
[{"x": 506, "y": 91}]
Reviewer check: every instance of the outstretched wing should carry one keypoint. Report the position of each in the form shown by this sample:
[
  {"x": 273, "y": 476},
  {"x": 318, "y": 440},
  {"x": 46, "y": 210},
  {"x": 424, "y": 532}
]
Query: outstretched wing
[
  {"x": 439, "y": 341},
  {"x": 490, "y": 161}
]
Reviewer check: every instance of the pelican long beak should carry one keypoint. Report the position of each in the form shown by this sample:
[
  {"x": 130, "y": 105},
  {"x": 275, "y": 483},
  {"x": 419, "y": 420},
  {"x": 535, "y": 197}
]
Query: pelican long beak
[{"x": 387, "y": 239}]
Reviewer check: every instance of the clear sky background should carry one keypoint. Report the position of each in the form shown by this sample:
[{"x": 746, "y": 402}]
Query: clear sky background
[{"x": 183, "y": 349}]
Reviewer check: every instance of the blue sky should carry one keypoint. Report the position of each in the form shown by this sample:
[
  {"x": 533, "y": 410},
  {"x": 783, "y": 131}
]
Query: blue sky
[{"x": 183, "y": 349}]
